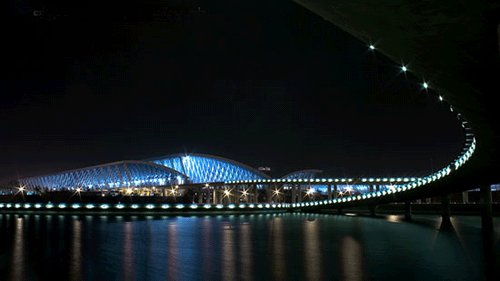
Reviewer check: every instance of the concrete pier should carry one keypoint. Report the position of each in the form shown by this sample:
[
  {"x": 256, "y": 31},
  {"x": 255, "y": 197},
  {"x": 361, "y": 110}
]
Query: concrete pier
[
  {"x": 465, "y": 197},
  {"x": 445, "y": 206},
  {"x": 408, "y": 210},
  {"x": 486, "y": 210}
]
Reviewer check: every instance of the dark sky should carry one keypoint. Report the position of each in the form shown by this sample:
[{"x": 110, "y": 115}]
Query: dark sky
[{"x": 262, "y": 82}]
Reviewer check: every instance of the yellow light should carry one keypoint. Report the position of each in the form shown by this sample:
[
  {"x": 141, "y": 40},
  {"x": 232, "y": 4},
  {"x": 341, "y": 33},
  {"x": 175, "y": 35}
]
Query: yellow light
[
  {"x": 310, "y": 191},
  {"x": 244, "y": 192},
  {"x": 276, "y": 192}
]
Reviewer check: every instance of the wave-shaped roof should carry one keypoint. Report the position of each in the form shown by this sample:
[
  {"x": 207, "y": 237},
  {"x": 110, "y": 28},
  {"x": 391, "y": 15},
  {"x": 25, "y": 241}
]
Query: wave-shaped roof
[
  {"x": 167, "y": 170},
  {"x": 205, "y": 168},
  {"x": 129, "y": 173}
]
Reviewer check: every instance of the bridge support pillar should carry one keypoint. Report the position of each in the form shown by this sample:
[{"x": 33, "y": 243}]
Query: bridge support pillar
[
  {"x": 445, "y": 205},
  {"x": 407, "y": 210},
  {"x": 294, "y": 195},
  {"x": 465, "y": 197},
  {"x": 268, "y": 193},
  {"x": 255, "y": 194},
  {"x": 214, "y": 197},
  {"x": 200, "y": 195},
  {"x": 371, "y": 188},
  {"x": 329, "y": 192},
  {"x": 486, "y": 211},
  {"x": 207, "y": 198},
  {"x": 300, "y": 193},
  {"x": 372, "y": 210},
  {"x": 335, "y": 192}
]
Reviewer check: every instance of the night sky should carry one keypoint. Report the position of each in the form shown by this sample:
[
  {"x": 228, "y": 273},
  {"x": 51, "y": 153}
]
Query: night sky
[{"x": 266, "y": 83}]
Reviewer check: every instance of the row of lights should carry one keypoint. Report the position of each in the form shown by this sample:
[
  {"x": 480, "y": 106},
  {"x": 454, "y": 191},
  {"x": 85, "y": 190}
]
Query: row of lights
[
  {"x": 121, "y": 206},
  {"x": 415, "y": 182},
  {"x": 323, "y": 180}
]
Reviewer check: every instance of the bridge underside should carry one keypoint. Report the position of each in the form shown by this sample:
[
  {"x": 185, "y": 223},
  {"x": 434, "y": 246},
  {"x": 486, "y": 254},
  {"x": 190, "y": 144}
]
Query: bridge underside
[{"x": 454, "y": 44}]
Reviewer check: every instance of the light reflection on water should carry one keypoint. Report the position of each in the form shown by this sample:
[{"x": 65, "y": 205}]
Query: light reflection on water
[
  {"x": 18, "y": 258},
  {"x": 352, "y": 259},
  {"x": 312, "y": 251},
  {"x": 278, "y": 249},
  {"x": 128, "y": 252},
  {"x": 75, "y": 271},
  {"x": 246, "y": 247}
]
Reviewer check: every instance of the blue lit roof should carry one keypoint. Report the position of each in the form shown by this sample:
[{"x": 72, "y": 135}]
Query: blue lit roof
[
  {"x": 201, "y": 168},
  {"x": 128, "y": 173},
  {"x": 167, "y": 170}
]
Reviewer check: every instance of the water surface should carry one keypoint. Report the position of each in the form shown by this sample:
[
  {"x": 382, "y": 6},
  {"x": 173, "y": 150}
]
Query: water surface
[{"x": 243, "y": 247}]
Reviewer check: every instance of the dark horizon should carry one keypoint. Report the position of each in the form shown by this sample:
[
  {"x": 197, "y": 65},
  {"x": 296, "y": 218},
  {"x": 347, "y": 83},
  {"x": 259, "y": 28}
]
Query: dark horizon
[{"x": 265, "y": 84}]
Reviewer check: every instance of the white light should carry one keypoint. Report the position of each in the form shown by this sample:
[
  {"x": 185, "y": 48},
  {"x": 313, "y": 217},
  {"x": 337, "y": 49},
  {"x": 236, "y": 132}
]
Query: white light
[
  {"x": 134, "y": 206},
  {"x": 219, "y": 206},
  {"x": 425, "y": 85},
  {"x": 404, "y": 68},
  {"x": 38, "y": 205},
  {"x": 179, "y": 206},
  {"x": 120, "y": 206},
  {"x": 241, "y": 206},
  {"x": 75, "y": 206},
  {"x": 193, "y": 206},
  {"x": 231, "y": 206},
  {"x": 207, "y": 206},
  {"x": 104, "y": 206},
  {"x": 150, "y": 206},
  {"x": 48, "y": 206},
  {"x": 372, "y": 47},
  {"x": 89, "y": 206},
  {"x": 440, "y": 98}
]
